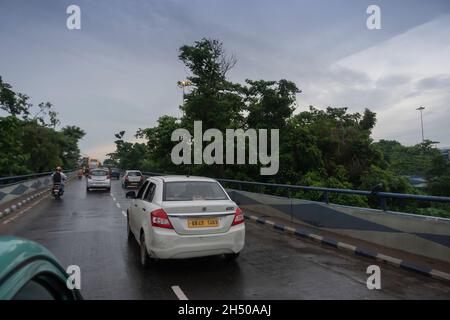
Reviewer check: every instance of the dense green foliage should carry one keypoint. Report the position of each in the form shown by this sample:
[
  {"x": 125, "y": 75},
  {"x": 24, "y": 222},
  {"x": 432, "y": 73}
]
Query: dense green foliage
[
  {"x": 329, "y": 148},
  {"x": 30, "y": 143}
]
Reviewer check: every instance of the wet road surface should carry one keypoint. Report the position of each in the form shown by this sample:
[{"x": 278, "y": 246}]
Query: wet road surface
[{"x": 89, "y": 230}]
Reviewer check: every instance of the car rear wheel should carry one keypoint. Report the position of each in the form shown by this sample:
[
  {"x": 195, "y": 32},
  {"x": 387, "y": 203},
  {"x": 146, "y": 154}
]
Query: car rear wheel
[
  {"x": 129, "y": 233},
  {"x": 144, "y": 257}
]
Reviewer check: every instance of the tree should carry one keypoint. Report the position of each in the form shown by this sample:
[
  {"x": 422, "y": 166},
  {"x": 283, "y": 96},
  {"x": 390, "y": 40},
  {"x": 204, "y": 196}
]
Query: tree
[
  {"x": 31, "y": 143},
  {"x": 269, "y": 103},
  {"x": 214, "y": 100},
  {"x": 13, "y": 103},
  {"x": 70, "y": 153}
]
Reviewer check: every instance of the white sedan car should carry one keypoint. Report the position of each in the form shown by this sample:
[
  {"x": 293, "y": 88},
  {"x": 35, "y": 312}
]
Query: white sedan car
[{"x": 176, "y": 217}]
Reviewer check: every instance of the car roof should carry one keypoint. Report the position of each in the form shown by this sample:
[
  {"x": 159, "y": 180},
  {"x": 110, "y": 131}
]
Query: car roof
[
  {"x": 179, "y": 178},
  {"x": 132, "y": 170}
]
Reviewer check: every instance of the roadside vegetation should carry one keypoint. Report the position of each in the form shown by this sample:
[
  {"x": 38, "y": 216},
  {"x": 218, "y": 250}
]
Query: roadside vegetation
[
  {"x": 328, "y": 147},
  {"x": 29, "y": 139}
]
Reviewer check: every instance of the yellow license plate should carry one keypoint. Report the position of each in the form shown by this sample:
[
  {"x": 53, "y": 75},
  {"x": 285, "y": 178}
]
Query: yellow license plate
[{"x": 203, "y": 223}]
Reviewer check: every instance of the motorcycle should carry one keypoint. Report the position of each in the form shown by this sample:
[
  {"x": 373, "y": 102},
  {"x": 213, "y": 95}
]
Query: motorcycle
[
  {"x": 56, "y": 190},
  {"x": 80, "y": 175}
]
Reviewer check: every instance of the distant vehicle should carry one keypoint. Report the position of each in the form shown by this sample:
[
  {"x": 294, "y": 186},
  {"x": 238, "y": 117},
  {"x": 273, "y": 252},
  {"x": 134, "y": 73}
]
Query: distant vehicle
[
  {"x": 28, "y": 271},
  {"x": 132, "y": 178},
  {"x": 98, "y": 179},
  {"x": 93, "y": 164},
  {"x": 176, "y": 217},
  {"x": 115, "y": 173}
]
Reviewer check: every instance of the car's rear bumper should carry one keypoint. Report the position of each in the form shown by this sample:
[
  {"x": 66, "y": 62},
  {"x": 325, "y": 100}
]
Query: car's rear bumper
[
  {"x": 99, "y": 185},
  {"x": 167, "y": 244},
  {"x": 131, "y": 184}
]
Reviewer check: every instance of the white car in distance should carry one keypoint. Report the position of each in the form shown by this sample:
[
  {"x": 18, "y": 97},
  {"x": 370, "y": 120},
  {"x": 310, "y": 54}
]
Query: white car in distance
[
  {"x": 133, "y": 178},
  {"x": 98, "y": 179},
  {"x": 176, "y": 217}
]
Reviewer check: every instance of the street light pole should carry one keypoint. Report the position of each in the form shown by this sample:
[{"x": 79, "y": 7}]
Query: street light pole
[
  {"x": 421, "y": 121},
  {"x": 183, "y": 84}
]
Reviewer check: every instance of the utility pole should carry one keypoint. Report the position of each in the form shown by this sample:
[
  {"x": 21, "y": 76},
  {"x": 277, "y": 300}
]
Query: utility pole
[
  {"x": 421, "y": 121},
  {"x": 183, "y": 84}
]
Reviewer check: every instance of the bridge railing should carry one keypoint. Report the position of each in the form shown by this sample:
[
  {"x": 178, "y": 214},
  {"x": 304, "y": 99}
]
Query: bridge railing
[
  {"x": 382, "y": 197},
  {"x": 7, "y": 181}
]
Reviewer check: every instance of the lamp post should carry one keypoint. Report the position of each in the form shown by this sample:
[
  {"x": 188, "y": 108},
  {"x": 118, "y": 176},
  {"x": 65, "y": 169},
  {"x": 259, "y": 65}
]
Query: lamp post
[
  {"x": 421, "y": 121},
  {"x": 183, "y": 84}
]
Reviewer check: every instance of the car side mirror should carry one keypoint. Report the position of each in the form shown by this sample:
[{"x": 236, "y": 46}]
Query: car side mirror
[{"x": 130, "y": 195}]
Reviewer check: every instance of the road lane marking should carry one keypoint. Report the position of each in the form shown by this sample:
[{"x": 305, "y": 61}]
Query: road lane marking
[
  {"x": 114, "y": 198},
  {"x": 123, "y": 213},
  {"x": 118, "y": 205},
  {"x": 179, "y": 293}
]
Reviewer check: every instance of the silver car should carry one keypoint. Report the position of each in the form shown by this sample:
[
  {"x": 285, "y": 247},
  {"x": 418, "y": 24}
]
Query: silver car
[
  {"x": 132, "y": 178},
  {"x": 98, "y": 179}
]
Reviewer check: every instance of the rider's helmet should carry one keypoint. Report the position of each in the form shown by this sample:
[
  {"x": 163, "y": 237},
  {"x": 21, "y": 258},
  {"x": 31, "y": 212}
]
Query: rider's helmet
[{"x": 58, "y": 169}]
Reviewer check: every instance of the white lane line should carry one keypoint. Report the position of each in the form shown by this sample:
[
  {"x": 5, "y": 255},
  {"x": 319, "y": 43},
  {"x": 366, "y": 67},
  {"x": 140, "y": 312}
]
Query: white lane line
[
  {"x": 118, "y": 205},
  {"x": 114, "y": 198},
  {"x": 180, "y": 294},
  {"x": 124, "y": 213}
]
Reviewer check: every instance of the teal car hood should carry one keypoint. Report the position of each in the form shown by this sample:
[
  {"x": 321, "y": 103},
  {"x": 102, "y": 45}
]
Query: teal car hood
[{"x": 14, "y": 252}]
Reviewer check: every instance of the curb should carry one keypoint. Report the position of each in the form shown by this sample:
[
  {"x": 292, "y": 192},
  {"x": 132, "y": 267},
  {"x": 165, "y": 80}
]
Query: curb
[
  {"x": 18, "y": 205},
  {"x": 436, "y": 274}
]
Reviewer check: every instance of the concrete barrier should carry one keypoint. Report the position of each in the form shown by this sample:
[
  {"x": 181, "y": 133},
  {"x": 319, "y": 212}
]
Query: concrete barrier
[
  {"x": 421, "y": 235},
  {"x": 11, "y": 192}
]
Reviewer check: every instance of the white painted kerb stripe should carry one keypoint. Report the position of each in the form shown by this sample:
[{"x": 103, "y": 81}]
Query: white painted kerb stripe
[{"x": 180, "y": 294}]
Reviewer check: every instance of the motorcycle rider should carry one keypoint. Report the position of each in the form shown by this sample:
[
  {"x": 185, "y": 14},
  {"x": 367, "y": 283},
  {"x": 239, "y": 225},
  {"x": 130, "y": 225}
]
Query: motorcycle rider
[{"x": 59, "y": 177}]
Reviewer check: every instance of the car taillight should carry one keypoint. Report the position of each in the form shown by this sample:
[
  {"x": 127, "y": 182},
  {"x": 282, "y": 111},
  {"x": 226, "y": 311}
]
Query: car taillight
[
  {"x": 108, "y": 177},
  {"x": 160, "y": 219},
  {"x": 142, "y": 178},
  {"x": 238, "y": 217}
]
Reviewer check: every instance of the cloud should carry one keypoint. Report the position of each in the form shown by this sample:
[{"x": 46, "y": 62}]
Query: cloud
[
  {"x": 397, "y": 76},
  {"x": 120, "y": 71}
]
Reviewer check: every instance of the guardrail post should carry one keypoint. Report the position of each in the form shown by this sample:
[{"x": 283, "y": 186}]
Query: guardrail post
[
  {"x": 290, "y": 200},
  {"x": 383, "y": 204},
  {"x": 326, "y": 199}
]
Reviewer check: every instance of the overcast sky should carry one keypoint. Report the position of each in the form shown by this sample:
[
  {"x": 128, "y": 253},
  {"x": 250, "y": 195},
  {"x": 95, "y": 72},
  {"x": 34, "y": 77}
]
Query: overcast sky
[{"x": 119, "y": 72}]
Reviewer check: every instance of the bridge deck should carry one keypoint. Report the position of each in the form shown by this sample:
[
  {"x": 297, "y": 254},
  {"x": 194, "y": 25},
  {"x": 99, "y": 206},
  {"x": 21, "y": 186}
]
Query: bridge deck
[{"x": 89, "y": 230}]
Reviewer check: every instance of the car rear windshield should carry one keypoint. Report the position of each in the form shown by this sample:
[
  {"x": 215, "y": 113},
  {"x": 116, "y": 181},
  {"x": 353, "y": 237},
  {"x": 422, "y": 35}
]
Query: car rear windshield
[
  {"x": 99, "y": 173},
  {"x": 193, "y": 190},
  {"x": 134, "y": 174}
]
